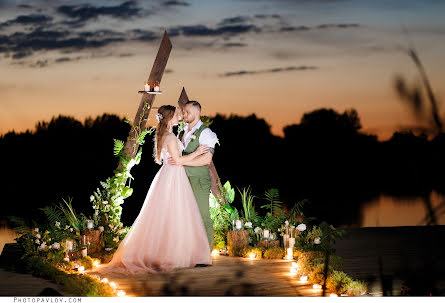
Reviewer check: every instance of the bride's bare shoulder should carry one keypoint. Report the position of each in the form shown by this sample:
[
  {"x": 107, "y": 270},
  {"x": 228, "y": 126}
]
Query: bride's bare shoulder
[{"x": 170, "y": 138}]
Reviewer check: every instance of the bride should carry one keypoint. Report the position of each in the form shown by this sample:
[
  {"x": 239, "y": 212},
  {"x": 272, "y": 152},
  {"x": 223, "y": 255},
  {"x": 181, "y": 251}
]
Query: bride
[{"x": 169, "y": 231}]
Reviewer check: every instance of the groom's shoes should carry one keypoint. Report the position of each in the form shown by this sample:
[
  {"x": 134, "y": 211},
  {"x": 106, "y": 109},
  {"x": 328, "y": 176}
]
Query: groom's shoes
[{"x": 203, "y": 265}]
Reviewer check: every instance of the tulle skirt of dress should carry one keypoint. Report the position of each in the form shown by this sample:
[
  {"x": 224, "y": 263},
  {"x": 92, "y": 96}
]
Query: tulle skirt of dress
[{"x": 169, "y": 231}]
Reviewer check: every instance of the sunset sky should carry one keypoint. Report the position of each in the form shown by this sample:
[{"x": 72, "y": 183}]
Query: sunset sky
[{"x": 278, "y": 59}]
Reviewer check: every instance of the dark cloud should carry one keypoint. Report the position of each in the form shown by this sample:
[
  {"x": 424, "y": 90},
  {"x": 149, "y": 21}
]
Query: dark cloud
[
  {"x": 234, "y": 20},
  {"x": 24, "y": 44},
  {"x": 144, "y": 35},
  {"x": 272, "y": 70},
  {"x": 82, "y": 13},
  {"x": 340, "y": 25},
  {"x": 233, "y": 44},
  {"x": 33, "y": 19},
  {"x": 202, "y": 30},
  {"x": 24, "y": 6},
  {"x": 321, "y": 26},
  {"x": 176, "y": 3},
  {"x": 263, "y": 16}
]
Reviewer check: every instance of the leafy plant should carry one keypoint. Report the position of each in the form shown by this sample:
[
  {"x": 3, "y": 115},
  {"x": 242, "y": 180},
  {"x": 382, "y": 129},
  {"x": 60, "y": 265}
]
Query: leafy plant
[
  {"x": 274, "y": 253},
  {"x": 249, "y": 212},
  {"x": 272, "y": 196}
]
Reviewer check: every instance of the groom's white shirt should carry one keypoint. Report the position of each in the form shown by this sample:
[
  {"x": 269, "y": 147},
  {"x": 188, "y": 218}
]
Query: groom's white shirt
[{"x": 207, "y": 137}]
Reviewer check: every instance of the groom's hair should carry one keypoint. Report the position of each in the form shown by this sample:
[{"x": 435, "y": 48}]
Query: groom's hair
[{"x": 194, "y": 103}]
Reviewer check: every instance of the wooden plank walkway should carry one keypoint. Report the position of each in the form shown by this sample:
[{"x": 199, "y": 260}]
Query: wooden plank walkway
[
  {"x": 16, "y": 284},
  {"x": 228, "y": 276}
]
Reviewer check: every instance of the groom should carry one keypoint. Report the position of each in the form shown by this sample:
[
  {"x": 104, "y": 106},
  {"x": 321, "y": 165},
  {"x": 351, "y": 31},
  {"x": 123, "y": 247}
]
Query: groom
[{"x": 195, "y": 133}]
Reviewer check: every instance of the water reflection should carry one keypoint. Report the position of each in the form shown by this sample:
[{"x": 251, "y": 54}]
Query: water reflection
[{"x": 389, "y": 210}]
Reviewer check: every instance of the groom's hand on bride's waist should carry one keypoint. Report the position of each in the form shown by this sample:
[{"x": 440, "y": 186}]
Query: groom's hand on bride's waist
[{"x": 171, "y": 161}]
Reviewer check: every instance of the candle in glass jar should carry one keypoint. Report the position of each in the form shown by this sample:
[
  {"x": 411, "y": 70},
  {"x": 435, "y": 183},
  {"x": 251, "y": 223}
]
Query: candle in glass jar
[
  {"x": 90, "y": 224},
  {"x": 285, "y": 240},
  {"x": 238, "y": 224},
  {"x": 291, "y": 242},
  {"x": 84, "y": 252},
  {"x": 69, "y": 245},
  {"x": 266, "y": 233},
  {"x": 290, "y": 253},
  {"x": 147, "y": 87}
]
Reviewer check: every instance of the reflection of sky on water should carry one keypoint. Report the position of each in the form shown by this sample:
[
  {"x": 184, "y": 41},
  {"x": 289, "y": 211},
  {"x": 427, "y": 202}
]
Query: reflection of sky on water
[{"x": 396, "y": 211}]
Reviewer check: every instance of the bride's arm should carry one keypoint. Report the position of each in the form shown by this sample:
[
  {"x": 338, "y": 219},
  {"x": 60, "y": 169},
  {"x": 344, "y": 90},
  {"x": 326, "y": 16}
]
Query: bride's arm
[{"x": 172, "y": 146}]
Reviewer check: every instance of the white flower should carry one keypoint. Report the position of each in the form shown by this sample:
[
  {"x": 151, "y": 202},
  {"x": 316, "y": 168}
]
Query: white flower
[
  {"x": 301, "y": 227},
  {"x": 286, "y": 223},
  {"x": 121, "y": 224},
  {"x": 116, "y": 239},
  {"x": 101, "y": 228},
  {"x": 36, "y": 229},
  {"x": 248, "y": 224},
  {"x": 257, "y": 229},
  {"x": 56, "y": 245},
  {"x": 57, "y": 224},
  {"x": 121, "y": 231},
  {"x": 66, "y": 227},
  {"x": 105, "y": 202},
  {"x": 159, "y": 117},
  {"x": 108, "y": 248},
  {"x": 91, "y": 198},
  {"x": 42, "y": 246},
  {"x": 37, "y": 241},
  {"x": 71, "y": 229},
  {"x": 193, "y": 137},
  {"x": 38, "y": 236},
  {"x": 49, "y": 239},
  {"x": 317, "y": 240}
]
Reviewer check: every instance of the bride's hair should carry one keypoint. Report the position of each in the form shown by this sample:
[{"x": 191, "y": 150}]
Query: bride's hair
[{"x": 166, "y": 114}]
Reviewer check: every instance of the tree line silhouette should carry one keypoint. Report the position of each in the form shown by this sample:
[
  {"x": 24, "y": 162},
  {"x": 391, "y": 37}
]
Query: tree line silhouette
[{"x": 325, "y": 158}]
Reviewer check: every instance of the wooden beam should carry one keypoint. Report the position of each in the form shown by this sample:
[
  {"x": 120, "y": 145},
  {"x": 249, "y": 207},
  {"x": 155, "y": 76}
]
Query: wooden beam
[
  {"x": 183, "y": 99},
  {"x": 147, "y": 100}
]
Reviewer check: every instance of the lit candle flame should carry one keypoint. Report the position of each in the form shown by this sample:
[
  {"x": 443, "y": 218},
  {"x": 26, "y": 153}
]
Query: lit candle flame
[
  {"x": 96, "y": 263},
  {"x": 112, "y": 284},
  {"x": 303, "y": 278},
  {"x": 215, "y": 252},
  {"x": 81, "y": 269},
  {"x": 121, "y": 293},
  {"x": 252, "y": 256},
  {"x": 105, "y": 280},
  {"x": 316, "y": 286}
]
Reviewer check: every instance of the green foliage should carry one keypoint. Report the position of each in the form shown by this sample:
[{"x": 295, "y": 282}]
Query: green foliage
[
  {"x": 249, "y": 212},
  {"x": 222, "y": 215},
  {"x": 118, "y": 146},
  {"x": 77, "y": 285},
  {"x": 274, "y": 253},
  {"x": 297, "y": 210},
  {"x": 70, "y": 214},
  {"x": 256, "y": 251},
  {"x": 338, "y": 282},
  {"x": 356, "y": 288},
  {"x": 206, "y": 121},
  {"x": 272, "y": 196}
]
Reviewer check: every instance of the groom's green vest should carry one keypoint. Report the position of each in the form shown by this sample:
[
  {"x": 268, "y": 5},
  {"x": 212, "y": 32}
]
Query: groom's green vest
[{"x": 195, "y": 171}]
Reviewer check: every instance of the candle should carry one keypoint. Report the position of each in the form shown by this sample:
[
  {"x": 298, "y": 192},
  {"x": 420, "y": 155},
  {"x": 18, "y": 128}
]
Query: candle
[
  {"x": 90, "y": 224},
  {"x": 69, "y": 245},
  {"x": 112, "y": 284},
  {"x": 303, "y": 278},
  {"x": 147, "y": 87},
  {"x": 96, "y": 263},
  {"x": 266, "y": 233},
  {"x": 238, "y": 224},
  {"x": 291, "y": 242},
  {"x": 81, "y": 269},
  {"x": 66, "y": 259},
  {"x": 121, "y": 293},
  {"x": 316, "y": 286},
  {"x": 286, "y": 240},
  {"x": 252, "y": 256},
  {"x": 156, "y": 89},
  {"x": 84, "y": 252},
  {"x": 290, "y": 253},
  {"x": 105, "y": 280},
  {"x": 215, "y": 252}
]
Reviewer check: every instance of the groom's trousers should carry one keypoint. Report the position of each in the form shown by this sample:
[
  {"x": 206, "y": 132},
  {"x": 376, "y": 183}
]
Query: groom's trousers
[{"x": 201, "y": 188}]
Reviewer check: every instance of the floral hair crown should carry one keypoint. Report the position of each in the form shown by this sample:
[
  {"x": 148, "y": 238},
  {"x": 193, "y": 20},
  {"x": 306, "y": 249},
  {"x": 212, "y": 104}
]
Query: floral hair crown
[{"x": 159, "y": 117}]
